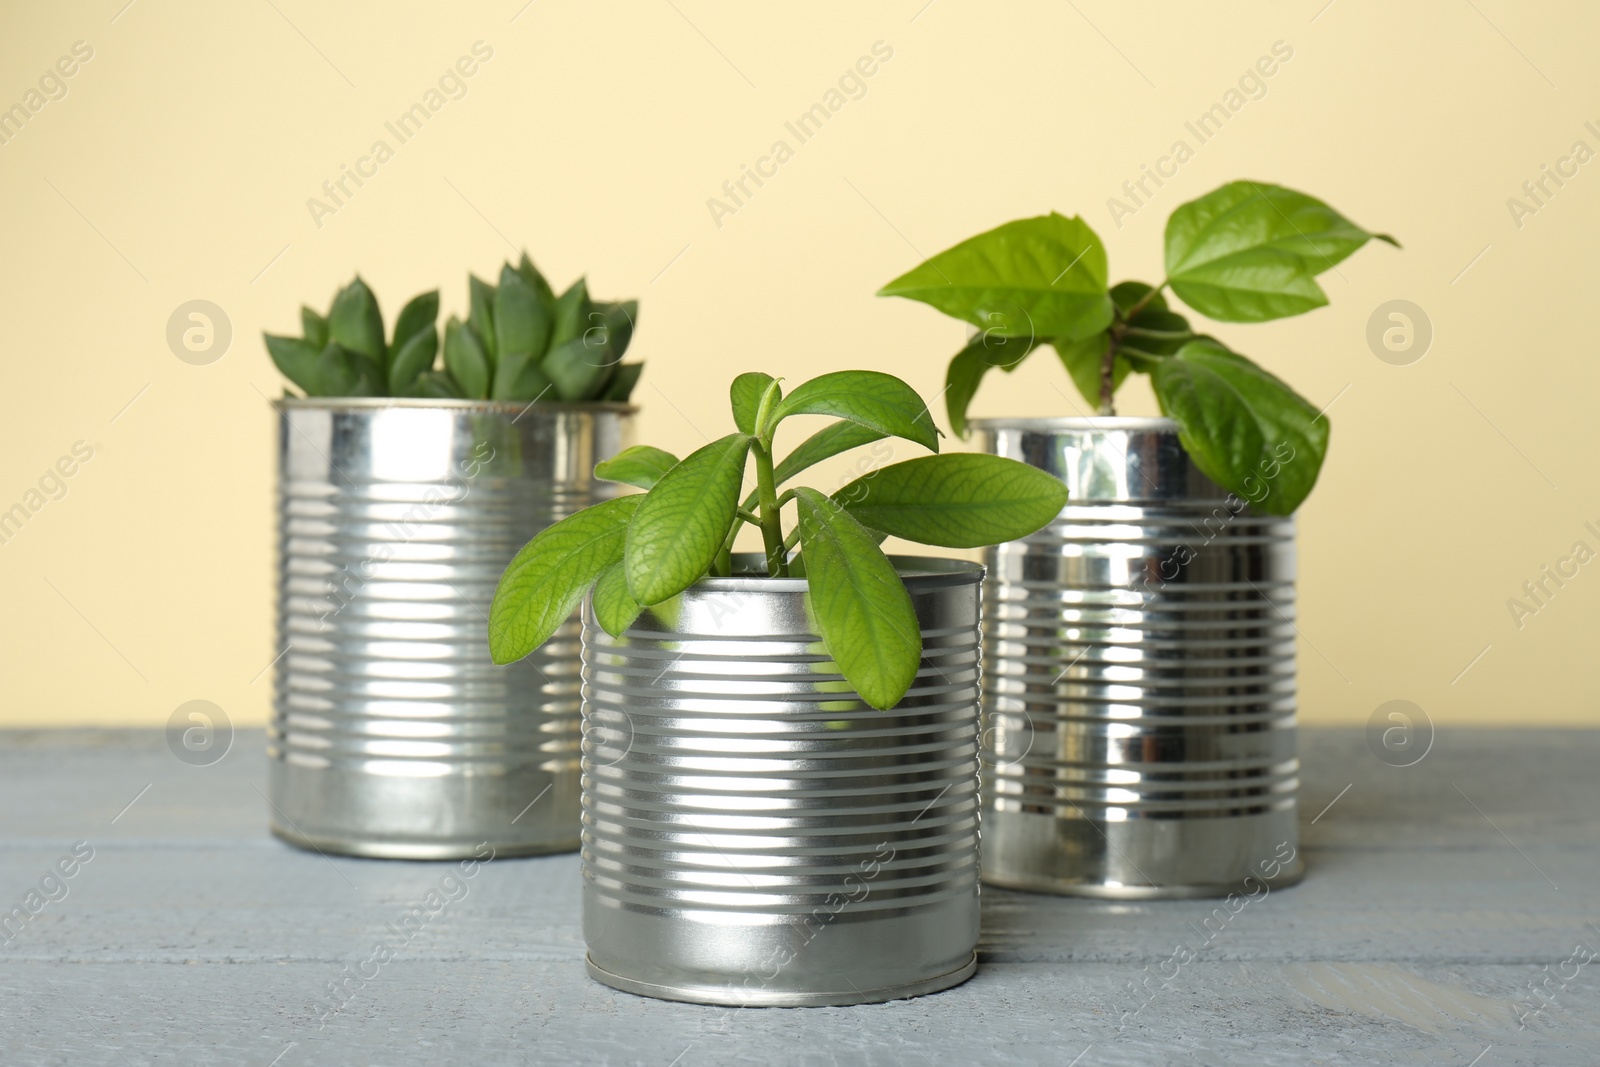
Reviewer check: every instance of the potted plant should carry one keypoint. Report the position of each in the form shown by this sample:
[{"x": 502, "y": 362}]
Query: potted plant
[
  {"x": 404, "y": 489},
  {"x": 1140, "y": 682},
  {"x": 780, "y": 753}
]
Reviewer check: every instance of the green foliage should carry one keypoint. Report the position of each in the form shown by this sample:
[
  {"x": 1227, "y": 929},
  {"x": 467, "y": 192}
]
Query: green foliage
[
  {"x": 682, "y": 529},
  {"x": 1246, "y": 252},
  {"x": 519, "y": 344}
]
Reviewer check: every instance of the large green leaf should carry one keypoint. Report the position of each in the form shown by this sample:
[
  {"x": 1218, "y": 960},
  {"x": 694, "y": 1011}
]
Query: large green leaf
[
  {"x": 961, "y": 500},
  {"x": 465, "y": 359},
  {"x": 641, "y": 465},
  {"x": 620, "y": 388},
  {"x": 341, "y": 372},
  {"x": 296, "y": 361},
  {"x": 569, "y": 319},
  {"x": 968, "y": 366},
  {"x": 545, "y": 580},
  {"x": 519, "y": 380},
  {"x": 858, "y": 603},
  {"x": 536, "y": 281},
  {"x": 412, "y": 357},
  {"x": 1042, "y": 277},
  {"x": 611, "y": 327},
  {"x": 481, "y": 315},
  {"x": 825, "y": 444},
  {"x": 684, "y": 520},
  {"x": 1247, "y": 431},
  {"x": 1084, "y": 361},
  {"x": 873, "y": 399},
  {"x": 745, "y": 396},
  {"x": 1250, "y": 251},
  {"x": 355, "y": 323},
  {"x": 578, "y": 368},
  {"x": 614, "y": 607},
  {"x": 521, "y": 322},
  {"x": 419, "y": 313}
]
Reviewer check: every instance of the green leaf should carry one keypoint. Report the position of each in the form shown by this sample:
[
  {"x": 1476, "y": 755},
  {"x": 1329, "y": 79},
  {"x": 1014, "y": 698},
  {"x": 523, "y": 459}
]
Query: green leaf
[
  {"x": 465, "y": 359},
  {"x": 1084, "y": 361},
  {"x": 825, "y": 444},
  {"x": 858, "y": 603},
  {"x": 1246, "y": 430},
  {"x": 873, "y": 399},
  {"x": 641, "y": 465},
  {"x": 341, "y": 372},
  {"x": 314, "y": 328},
  {"x": 579, "y": 370},
  {"x": 611, "y": 327},
  {"x": 568, "y": 318},
  {"x": 355, "y": 323},
  {"x": 684, "y": 519},
  {"x": 614, "y": 607},
  {"x": 745, "y": 395},
  {"x": 518, "y": 379},
  {"x": 481, "y": 316},
  {"x": 1042, "y": 277},
  {"x": 620, "y": 388},
  {"x": 536, "y": 282},
  {"x": 1250, "y": 251},
  {"x": 968, "y": 366},
  {"x": 961, "y": 500},
  {"x": 521, "y": 324},
  {"x": 413, "y": 357},
  {"x": 436, "y": 385},
  {"x": 418, "y": 314},
  {"x": 545, "y": 580},
  {"x": 296, "y": 361}
]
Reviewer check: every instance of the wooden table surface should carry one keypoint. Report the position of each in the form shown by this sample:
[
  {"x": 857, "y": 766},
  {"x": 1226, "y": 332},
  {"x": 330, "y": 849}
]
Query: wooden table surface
[{"x": 1437, "y": 896}]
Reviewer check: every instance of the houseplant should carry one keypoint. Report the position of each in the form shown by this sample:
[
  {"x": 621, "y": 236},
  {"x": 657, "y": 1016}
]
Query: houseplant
[
  {"x": 1140, "y": 650},
  {"x": 405, "y": 487},
  {"x": 780, "y": 754}
]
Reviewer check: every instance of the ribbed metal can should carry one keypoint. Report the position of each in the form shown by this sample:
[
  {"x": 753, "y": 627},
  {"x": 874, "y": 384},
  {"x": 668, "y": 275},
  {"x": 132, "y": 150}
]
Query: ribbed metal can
[
  {"x": 393, "y": 733},
  {"x": 754, "y": 834},
  {"x": 1139, "y": 691}
]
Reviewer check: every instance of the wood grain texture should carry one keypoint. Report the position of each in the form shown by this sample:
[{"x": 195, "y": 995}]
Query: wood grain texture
[{"x": 191, "y": 937}]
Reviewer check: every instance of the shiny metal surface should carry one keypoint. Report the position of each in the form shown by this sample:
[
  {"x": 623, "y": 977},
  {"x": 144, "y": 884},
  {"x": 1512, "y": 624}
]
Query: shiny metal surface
[
  {"x": 1139, "y": 691},
  {"x": 393, "y": 733},
  {"x": 755, "y": 834}
]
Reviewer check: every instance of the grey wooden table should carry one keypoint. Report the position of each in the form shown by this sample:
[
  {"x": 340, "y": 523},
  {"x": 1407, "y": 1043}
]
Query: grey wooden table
[{"x": 1438, "y": 896}]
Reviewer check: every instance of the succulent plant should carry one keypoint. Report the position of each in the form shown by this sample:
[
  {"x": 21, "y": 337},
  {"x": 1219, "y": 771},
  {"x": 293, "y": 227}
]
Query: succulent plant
[{"x": 520, "y": 343}]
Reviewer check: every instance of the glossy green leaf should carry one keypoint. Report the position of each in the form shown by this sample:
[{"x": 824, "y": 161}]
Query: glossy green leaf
[
  {"x": 641, "y": 465},
  {"x": 1247, "y": 431},
  {"x": 569, "y": 318},
  {"x": 858, "y": 603},
  {"x": 355, "y": 323},
  {"x": 1084, "y": 362},
  {"x": 873, "y": 399},
  {"x": 521, "y": 323},
  {"x": 536, "y": 281},
  {"x": 314, "y": 328},
  {"x": 435, "y": 385},
  {"x": 622, "y": 383},
  {"x": 1042, "y": 277},
  {"x": 413, "y": 357},
  {"x": 341, "y": 372},
  {"x": 297, "y": 361},
  {"x": 465, "y": 359},
  {"x": 1250, "y": 251},
  {"x": 481, "y": 316},
  {"x": 745, "y": 395},
  {"x": 961, "y": 500},
  {"x": 614, "y": 607},
  {"x": 420, "y": 312},
  {"x": 579, "y": 370},
  {"x": 684, "y": 519},
  {"x": 825, "y": 444},
  {"x": 968, "y": 367},
  {"x": 545, "y": 580}
]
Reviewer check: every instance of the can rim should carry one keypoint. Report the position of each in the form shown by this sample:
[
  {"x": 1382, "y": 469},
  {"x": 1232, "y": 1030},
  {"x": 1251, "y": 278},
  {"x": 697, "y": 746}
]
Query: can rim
[
  {"x": 416, "y": 403},
  {"x": 1058, "y": 423},
  {"x": 919, "y": 572}
]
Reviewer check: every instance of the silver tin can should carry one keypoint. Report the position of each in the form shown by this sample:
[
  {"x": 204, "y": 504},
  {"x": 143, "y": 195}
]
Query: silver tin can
[
  {"x": 1139, "y": 696},
  {"x": 756, "y": 835},
  {"x": 393, "y": 733}
]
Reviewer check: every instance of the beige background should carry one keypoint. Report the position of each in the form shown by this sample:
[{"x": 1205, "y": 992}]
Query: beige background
[{"x": 179, "y": 164}]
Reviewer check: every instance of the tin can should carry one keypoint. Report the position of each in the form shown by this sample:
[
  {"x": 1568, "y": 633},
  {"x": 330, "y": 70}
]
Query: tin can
[
  {"x": 1139, "y": 696},
  {"x": 393, "y": 733},
  {"x": 754, "y": 834}
]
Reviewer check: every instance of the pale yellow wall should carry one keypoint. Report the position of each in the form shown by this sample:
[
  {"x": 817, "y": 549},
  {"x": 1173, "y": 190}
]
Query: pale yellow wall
[{"x": 179, "y": 164}]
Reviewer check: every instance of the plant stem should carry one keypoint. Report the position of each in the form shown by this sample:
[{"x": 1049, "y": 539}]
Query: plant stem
[
  {"x": 771, "y": 527},
  {"x": 1108, "y": 363}
]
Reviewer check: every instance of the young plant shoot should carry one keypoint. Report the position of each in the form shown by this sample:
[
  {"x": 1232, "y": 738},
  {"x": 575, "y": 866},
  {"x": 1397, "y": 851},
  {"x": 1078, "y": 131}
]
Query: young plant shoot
[
  {"x": 642, "y": 550},
  {"x": 521, "y": 343},
  {"x": 1247, "y": 252}
]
